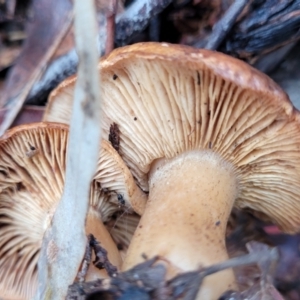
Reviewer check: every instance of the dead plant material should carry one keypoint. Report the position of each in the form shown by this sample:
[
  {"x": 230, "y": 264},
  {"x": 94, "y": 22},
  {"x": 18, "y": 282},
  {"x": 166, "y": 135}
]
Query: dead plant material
[
  {"x": 269, "y": 25},
  {"x": 136, "y": 17},
  {"x": 147, "y": 280},
  {"x": 8, "y": 55},
  {"x": 83, "y": 147},
  {"x": 193, "y": 20},
  {"x": 114, "y": 136},
  {"x": 101, "y": 261},
  {"x": 53, "y": 16},
  {"x": 264, "y": 288},
  {"x": 223, "y": 26}
]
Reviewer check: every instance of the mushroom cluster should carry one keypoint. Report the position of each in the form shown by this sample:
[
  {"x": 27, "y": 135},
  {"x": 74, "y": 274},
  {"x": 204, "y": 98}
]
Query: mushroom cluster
[
  {"x": 32, "y": 172},
  {"x": 201, "y": 132}
]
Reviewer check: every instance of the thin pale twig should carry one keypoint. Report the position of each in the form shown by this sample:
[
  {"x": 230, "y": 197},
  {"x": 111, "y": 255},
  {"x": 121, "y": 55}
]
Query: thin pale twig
[
  {"x": 248, "y": 259},
  {"x": 66, "y": 234}
]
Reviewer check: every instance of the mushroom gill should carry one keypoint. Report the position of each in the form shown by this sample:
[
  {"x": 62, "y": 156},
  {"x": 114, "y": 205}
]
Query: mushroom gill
[{"x": 32, "y": 170}]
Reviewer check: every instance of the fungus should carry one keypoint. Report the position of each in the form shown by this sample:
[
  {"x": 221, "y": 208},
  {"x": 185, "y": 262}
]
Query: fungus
[
  {"x": 202, "y": 132},
  {"x": 211, "y": 133},
  {"x": 59, "y": 108},
  {"x": 32, "y": 171}
]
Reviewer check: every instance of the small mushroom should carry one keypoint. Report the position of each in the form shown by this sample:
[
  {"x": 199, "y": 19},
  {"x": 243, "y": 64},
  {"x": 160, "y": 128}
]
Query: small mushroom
[
  {"x": 117, "y": 181},
  {"x": 59, "y": 109},
  {"x": 202, "y": 132},
  {"x": 32, "y": 171}
]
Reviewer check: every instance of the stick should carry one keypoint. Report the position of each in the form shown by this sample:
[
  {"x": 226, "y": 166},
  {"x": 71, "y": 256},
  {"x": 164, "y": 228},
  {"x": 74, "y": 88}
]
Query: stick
[
  {"x": 64, "y": 244},
  {"x": 136, "y": 17},
  {"x": 223, "y": 26},
  {"x": 101, "y": 260},
  {"x": 248, "y": 259}
]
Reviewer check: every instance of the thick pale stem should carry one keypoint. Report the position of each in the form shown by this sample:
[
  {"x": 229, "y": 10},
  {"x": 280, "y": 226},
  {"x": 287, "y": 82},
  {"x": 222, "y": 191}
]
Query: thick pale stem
[
  {"x": 190, "y": 199},
  {"x": 95, "y": 226}
]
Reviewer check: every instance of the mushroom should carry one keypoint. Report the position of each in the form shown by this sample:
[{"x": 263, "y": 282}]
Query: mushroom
[
  {"x": 32, "y": 170},
  {"x": 59, "y": 109},
  {"x": 202, "y": 132}
]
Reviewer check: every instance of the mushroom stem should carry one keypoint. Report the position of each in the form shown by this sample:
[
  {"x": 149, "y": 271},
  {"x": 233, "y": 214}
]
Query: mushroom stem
[
  {"x": 187, "y": 228},
  {"x": 95, "y": 226}
]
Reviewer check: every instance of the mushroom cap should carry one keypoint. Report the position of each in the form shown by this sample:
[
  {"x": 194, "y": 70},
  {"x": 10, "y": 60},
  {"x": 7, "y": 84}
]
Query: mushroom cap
[
  {"x": 59, "y": 109},
  {"x": 115, "y": 180},
  {"x": 32, "y": 170},
  {"x": 167, "y": 99},
  {"x": 60, "y": 101}
]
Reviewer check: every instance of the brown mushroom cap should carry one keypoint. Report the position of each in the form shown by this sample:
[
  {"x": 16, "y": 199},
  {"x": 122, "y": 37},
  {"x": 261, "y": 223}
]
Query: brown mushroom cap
[
  {"x": 32, "y": 170},
  {"x": 205, "y": 132},
  {"x": 167, "y": 99}
]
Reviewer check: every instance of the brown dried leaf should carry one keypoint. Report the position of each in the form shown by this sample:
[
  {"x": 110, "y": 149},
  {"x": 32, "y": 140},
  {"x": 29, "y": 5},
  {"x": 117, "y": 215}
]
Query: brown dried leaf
[
  {"x": 51, "y": 19},
  {"x": 28, "y": 114}
]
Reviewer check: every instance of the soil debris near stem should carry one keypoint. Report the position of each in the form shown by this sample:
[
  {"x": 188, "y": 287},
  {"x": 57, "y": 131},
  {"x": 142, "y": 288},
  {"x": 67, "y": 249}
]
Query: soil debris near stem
[{"x": 147, "y": 280}]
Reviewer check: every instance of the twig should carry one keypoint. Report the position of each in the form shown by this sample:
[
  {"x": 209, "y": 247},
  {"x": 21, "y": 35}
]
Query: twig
[
  {"x": 223, "y": 26},
  {"x": 102, "y": 261},
  {"x": 189, "y": 283},
  {"x": 64, "y": 244},
  {"x": 136, "y": 17},
  {"x": 248, "y": 259}
]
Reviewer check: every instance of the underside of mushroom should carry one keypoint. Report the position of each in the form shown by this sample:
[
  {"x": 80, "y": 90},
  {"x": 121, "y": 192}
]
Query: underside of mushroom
[
  {"x": 201, "y": 132},
  {"x": 32, "y": 170}
]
